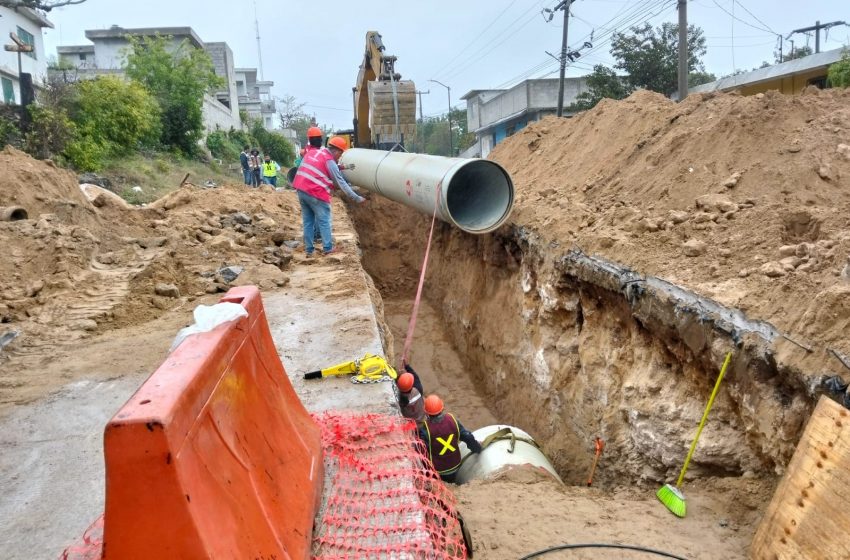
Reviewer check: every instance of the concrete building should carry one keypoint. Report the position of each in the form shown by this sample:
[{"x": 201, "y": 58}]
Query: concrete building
[
  {"x": 255, "y": 97},
  {"x": 787, "y": 77},
  {"x": 27, "y": 24},
  {"x": 108, "y": 52},
  {"x": 495, "y": 114}
]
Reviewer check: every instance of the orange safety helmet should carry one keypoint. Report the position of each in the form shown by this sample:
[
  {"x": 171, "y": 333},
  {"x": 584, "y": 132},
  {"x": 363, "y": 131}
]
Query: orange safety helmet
[
  {"x": 314, "y": 131},
  {"x": 405, "y": 382},
  {"x": 433, "y": 405},
  {"x": 339, "y": 143}
]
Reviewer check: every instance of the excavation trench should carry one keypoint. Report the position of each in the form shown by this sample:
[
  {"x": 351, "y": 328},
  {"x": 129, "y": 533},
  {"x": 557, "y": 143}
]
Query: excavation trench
[{"x": 569, "y": 347}]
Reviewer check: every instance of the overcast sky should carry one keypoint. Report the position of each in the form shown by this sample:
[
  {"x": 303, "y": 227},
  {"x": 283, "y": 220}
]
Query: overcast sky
[{"x": 314, "y": 53}]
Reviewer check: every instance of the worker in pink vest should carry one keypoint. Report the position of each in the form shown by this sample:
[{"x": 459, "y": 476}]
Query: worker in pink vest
[
  {"x": 315, "y": 180},
  {"x": 442, "y": 434}
]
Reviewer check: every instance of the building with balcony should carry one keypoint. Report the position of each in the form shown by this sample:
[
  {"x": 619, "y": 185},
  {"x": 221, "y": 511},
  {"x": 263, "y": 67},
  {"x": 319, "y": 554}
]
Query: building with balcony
[
  {"x": 255, "y": 97},
  {"x": 27, "y": 25},
  {"x": 108, "y": 54}
]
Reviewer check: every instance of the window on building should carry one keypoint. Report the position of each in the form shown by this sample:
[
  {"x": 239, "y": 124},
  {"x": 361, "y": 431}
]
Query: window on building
[
  {"x": 819, "y": 82},
  {"x": 8, "y": 91},
  {"x": 83, "y": 57},
  {"x": 27, "y": 38},
  {"x": 510, "y": 130}
]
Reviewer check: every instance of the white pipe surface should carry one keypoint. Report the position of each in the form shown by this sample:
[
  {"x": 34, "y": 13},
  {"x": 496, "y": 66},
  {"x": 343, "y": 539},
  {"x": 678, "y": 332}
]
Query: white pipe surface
[
  {"x": 501, "y": 455},
  {"x": 476, "y": 195}
]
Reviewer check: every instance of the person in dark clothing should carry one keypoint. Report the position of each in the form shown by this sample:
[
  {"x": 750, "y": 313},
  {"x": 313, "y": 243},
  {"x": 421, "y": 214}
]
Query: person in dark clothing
[
  {"x": 441, "y": 433},
  {"x": 246, "y": 167},
  {"x": 410, "y": 400},
  {"x": 416, "y": 382}
]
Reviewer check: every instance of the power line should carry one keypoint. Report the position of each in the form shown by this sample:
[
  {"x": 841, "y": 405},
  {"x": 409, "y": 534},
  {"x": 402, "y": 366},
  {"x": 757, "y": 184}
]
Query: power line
[
  {"x": 460, "y": 52},
  {"x": 635, "y": 14},
  {"x": 452, "y": 69},
  {"x": 626, "y": 20},
  {"x": 733, "y": 16}
]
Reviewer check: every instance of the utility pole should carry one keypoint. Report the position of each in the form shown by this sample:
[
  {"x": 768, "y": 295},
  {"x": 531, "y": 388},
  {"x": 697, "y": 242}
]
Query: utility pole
[
  {"x": 564, "y": 5},
  {"x": 816, "y": 28},
  {"x": 451, "y": 142},
  {"x": 420, "y": 93},
  {"x": 683, "y": 49},
  {"x": 259, "y": 46}
]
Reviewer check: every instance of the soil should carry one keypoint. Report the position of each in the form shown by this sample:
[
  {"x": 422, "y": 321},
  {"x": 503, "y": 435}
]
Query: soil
[
  {"x": 743, "y": 199},
  {"x": 86, "y": 264}
]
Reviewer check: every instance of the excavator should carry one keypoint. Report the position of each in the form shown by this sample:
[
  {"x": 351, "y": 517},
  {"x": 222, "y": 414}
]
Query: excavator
[{"x": 384, "y": 104}]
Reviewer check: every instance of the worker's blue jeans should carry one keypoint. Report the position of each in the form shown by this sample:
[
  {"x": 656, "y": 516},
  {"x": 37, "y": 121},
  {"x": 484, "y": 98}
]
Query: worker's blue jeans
[
  {"x": 247, "y": 176},
  {"x": 315, "y": 211},
  {"x": 270, "y": 180}
]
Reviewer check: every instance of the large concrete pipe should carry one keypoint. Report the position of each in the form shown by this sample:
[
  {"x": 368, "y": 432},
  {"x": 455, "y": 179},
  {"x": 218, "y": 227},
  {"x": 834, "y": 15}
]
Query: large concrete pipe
[
  {"x": 505, "y": 447},
  {"x": 476, "y": 195},
  {"x": 12, "y": 213}
]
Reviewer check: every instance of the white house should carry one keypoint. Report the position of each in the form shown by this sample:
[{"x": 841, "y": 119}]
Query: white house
[
  {"x": 27, "y": 24},
  {"x": 108, "y": 52}
]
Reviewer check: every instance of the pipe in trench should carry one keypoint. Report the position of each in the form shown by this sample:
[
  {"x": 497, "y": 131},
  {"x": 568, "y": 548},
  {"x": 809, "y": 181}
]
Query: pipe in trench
[
  {"x": 477, "y": 195},
  {"x": 12, "y": 213}
]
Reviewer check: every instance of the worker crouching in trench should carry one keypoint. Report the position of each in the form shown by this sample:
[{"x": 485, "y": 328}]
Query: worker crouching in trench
[{"x": 440, "y": 430}]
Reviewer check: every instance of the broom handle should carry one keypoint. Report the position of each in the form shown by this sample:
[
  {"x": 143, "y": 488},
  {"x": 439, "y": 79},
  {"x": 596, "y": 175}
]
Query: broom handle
[{"x": 704, "y": 417}]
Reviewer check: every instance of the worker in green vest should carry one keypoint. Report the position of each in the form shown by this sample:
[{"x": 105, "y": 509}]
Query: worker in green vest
[{"x": 270, "y": 170}]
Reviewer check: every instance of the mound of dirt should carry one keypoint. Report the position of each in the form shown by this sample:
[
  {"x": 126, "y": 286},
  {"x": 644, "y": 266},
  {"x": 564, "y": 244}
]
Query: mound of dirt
[
  {"x": 742, "y": 199},
  {"x": 84, "y": 262}
]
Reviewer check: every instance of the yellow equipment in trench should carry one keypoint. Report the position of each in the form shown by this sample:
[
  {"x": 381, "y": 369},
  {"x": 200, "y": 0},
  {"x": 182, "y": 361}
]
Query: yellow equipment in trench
[
  {"x": 384, "y": 104},
  {"x": 368, "y": 369}
]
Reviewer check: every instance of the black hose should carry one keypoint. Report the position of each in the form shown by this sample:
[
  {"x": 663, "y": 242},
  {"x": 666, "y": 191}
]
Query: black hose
[{"x": 601, "y": 545}]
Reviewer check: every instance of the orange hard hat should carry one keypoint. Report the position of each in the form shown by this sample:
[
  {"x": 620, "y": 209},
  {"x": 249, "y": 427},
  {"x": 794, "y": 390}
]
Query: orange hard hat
[
  {"x": 433, "y": 405},
  {"x": 339, "y": 143},
  {"x": 314, "y": 131},
  {"x": 405, "y": 382}
]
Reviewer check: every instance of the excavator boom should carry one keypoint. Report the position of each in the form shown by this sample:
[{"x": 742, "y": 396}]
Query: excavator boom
[{"x": 384, "y": 104}]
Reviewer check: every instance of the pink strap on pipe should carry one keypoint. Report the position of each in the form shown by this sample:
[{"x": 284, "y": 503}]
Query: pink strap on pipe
[{"x": 411, "y": 326}]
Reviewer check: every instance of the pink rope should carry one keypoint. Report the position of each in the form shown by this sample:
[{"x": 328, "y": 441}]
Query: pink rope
[{"x": 411, "y": 326}]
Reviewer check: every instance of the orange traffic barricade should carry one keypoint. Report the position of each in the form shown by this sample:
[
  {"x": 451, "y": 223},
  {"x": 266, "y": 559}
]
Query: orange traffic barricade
[{"x": 214, "y": 456}]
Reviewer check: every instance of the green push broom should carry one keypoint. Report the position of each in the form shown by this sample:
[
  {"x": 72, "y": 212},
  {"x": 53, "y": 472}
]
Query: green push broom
[{"x": 671, "y": 496}]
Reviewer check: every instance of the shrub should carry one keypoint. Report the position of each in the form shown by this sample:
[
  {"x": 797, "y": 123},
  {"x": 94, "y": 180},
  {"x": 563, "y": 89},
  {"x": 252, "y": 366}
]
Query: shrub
[
  {"x": 279, "y": 148},
  {"x": 839, "y": 72},
  {"x": 50, "y": 131}
]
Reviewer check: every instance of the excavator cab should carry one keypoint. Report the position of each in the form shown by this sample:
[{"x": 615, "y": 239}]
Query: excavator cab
[{"x": 384, "y": 104}]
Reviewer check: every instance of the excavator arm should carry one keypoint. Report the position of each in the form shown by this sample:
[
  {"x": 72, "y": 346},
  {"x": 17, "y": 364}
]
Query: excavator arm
[{"x": 384, "y": 104}]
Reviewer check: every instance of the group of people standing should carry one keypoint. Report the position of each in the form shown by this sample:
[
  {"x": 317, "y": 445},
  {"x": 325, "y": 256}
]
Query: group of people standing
[
  {"x": 439, "y": 430},
  {"x": 258, "y": 170}
]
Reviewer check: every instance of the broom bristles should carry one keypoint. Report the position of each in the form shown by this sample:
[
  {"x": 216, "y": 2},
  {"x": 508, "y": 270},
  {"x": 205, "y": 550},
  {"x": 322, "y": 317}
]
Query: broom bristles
[{"x": 673, "y": 499}]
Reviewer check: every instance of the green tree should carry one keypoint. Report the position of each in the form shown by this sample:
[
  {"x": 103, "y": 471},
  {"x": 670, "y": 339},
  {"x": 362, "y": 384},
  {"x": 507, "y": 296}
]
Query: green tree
[
  {"x": 45, "y": 5},
  {"x": 178, "y": 78},
  {"x": 650, "y": 56},
  {"x": 279, "y": 148},
  {"x": 839, "y": 72},
  {"x": 796, "y": 53},
  {"x": 602, "y": 83}
]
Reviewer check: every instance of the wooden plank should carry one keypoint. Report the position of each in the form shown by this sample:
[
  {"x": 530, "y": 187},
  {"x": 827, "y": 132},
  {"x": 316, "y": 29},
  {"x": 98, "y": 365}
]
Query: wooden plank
[{"x": 808, "y": 517}]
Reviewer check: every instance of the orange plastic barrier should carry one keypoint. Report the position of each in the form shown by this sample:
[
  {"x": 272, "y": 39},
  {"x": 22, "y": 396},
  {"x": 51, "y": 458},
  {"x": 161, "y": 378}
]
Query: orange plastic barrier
[{"x": 214, "y": 456}]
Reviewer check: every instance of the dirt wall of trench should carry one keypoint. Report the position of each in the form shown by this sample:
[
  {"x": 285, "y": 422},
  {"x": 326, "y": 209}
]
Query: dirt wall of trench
[{"x": 568, "y": 360}]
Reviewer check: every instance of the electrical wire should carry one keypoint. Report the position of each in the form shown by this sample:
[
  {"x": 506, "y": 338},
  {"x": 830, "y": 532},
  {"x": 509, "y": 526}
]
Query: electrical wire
[
  {"x": 451, "y": 70},
  {"x": 631, "y": 17},
  {"x": 733, "y": 16},
  {"x": 601, "y": 545},
  {"x": 480, "y": 34}
]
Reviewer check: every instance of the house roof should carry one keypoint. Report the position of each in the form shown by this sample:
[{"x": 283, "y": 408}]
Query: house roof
[
  {"x": 117, "y": 32},
  {"x": 473, "y": 92},
  {"x": 35, "y": 16},
  {"x": 75, "y": 49},
  {"x": 768, "y": 73}
]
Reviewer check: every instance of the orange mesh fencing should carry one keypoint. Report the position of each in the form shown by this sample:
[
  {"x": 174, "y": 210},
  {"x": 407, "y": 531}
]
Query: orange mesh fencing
[{"x": 384, "y": 499}]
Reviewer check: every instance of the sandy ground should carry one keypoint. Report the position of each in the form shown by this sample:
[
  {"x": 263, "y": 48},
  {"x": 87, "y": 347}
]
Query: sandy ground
[{"x": 522, "y": 512}]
